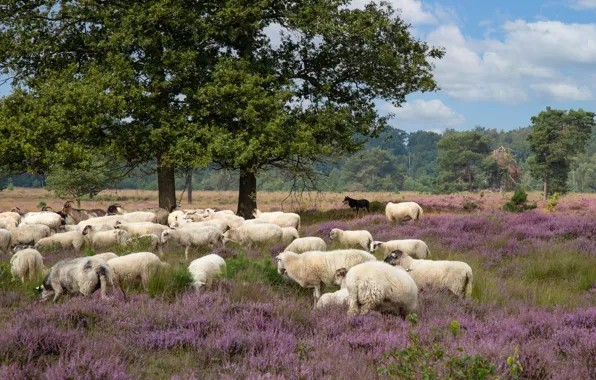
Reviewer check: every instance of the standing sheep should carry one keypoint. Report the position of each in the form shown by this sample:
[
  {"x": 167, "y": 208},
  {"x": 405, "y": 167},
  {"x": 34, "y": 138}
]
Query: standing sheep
[
  {"x": 73, "y": 239},
  {"x": 5, "y": 240},
  {"x": 29, "y": 234},
  {"x": 289, "y": 234},
  {"x": 254, "y": 234},
  {"x": 403, "y": 211},
  {"x": 26, "y": 263},
  {"x": 378, "y": 286},
  {"x": 194, "y": 238},
  {"x": 413, "y": 247},
  {"x": 306, "y": 244},
  {"x": 46, "y": 218},
  {"x": 106, "y": 256},
  {"x": 314, "y": 269},
  {"x": 352, "y": 239},
  {"x": 105, "y": 239},
  {"x": 136, "y": 268},
  {"x": 453, "y": 275},
  {"x": 282, "y": 219},
  {"x": 206, "y": 270}
]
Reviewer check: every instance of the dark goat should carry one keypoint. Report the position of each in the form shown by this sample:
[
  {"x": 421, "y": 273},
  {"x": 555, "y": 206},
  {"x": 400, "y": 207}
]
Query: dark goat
[
  {"x": 357, "y": 204},
  {"x": 115, "y": 209},
  {"x": 80, "y": 215}
]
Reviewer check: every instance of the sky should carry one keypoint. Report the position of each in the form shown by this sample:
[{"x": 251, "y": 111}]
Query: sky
[{"x": 505, "y": 61}]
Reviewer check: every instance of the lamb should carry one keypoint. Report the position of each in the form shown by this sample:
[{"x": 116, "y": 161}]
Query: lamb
[
  {"x": 105, "y": 256},
  {"x": 105, "y": 239},
  {"x": 413, "y": 247},
  {"x": 453, "y": 275},
  {"x": 137, "y": 267},
  {"x": 307, "y": 244},
  {"x": 26, "y": 263},
  {"x": 378, "y": 286},
  {"x": 29, "y": 234},
  {"x": 255, "y": 234},
  {"x": 73, "y": 239},
  {"x": 289, "y": 234},
  {"x": 312, "y": 269},
  {"x": 46, "y": 218},
  {"x": 282, "y": 219},
  {"x": 359, "y": 238},
  {"x": 194, "y": 237},
  {"x": 336, "y": 298},
  {"x": 206, "y": 270},
  {"x": 5, "y": 240},
  {"x": 78, "y": 276},
  {"x": 403, "y": 211}
]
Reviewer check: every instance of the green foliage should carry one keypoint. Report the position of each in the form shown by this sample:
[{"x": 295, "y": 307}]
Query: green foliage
[
  {"x": 253, "y": 271},
  {"x": 551, "y": 205},
  {"x": 519, "y": 202},
  {"x": 425, "y": 360},
  {"x": 169, "y": 282},
  {"x": 373, "y": 170},
  {"x": 515, "y": 366}
]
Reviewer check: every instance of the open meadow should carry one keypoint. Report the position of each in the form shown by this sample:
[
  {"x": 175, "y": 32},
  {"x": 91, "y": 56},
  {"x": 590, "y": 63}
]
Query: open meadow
[{"x": 532, "y": 314}]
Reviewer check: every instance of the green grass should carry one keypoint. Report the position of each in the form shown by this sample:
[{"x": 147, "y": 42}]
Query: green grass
[{"x": 169, "y": 282}]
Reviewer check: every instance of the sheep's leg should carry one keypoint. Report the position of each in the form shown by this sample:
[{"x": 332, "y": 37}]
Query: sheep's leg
[
  {"x": 57, "y": 295},
  {"x": 186, "y": 252},
  {"x": 366, "y": 308},
  {"x": 353, "y": 309},
  {"x": 317, "y": 293}
]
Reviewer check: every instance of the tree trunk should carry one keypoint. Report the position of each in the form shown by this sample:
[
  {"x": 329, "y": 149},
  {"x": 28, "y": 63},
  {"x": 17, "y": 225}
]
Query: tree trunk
[
  {"x": 247, "y": 192},
  {"x": 189, "y": 186},
  {"x": 166, "y": 185},
  {"x": 546, "y": 188}
]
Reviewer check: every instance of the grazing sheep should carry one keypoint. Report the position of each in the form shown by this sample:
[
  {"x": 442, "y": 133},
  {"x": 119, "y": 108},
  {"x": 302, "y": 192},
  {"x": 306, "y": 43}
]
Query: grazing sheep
[
  {"x": 143, "y": 228},
  {"x": 403, "y": 211},
  {"x": 29, "y": 234},
  {"x": 306, "y": 244},
  {"x": 336, "y": 298},
  {"x": 353, "y": 239},
  {"x": 232, "y": 221},
  {"x": 413, "y": 247},
  {"x": 46, "y": 218},
  {"x": 136, "y": 268},
  {"x": 105, "y": 256},
  {"x": 453, "y": 275},
  {"x": 73, "y": 239},
  {"x": 194, "y": 238},
  {"x": 289, "y": 235},
  {"x": 315, "y": 268},
  {"x": 282, "y": 219},
  {"x": 220, "y": 224},
  {"x": 105, "y": 239},
  {"x": 255, "y": 234},
  {"x": 5, "y": 240},
  {"x": 26, "y": 263},
  {"x": 78, "y": 276},
  {"x": 206, "y": 270},
  {"x": 382, "y": 287}
]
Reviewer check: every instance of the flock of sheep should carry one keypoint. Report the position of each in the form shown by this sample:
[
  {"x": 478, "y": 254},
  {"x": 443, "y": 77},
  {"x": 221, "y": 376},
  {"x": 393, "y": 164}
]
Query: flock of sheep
[{"x": 366, "y": 283}]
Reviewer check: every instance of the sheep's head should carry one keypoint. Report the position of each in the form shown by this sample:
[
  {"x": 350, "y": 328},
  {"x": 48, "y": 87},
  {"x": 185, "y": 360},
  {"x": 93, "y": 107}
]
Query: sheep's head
[
  {"x": 394, "y": 257},
  {"x": 45, "y": 290},
  {"x": 87, "y": 229},
  {"x": 339, "y": 276},
  {"x": 165, "y": 236},
  {"x": 375, "y": 245},
  {"x": 334, "y": 233},
  {"x": 21, "y": 247},
  {"x": 281, "y": 269}
]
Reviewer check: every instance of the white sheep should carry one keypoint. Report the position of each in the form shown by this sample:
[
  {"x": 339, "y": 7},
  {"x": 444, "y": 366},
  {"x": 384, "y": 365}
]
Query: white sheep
[
  {"x": 315, "y": 268},
  {"x": 81, "y": 227},
  {"x": 378, "y": 286},
  {"x": 282, "y": 219},
  {"x": 403, "y": 211},
  {"x": 11, "y": 215},
  {"x": 453, "y": 275},
  {"x": 220, "y": 224},
  {"x": 78, "y": 276},
  {"x": 109, "y": 220},
  {"x": 255, "y": 221},
  {"x": 194, "y": 238},
  {"x": 73, "y": 239},
  {"x": 175, "y": 216},
  {"x": 27, "y": 263},
  {"x": 8, "y": 223},
  {"x": 306, "y": 244},
  {"x": 136, "y": 268},
  {"x": 5, "y": 240},
  {"x": 413, "y": 247},
  {"x": 255, "y": 234},
  {"x": 105, "y": 239},
  {"x": 29, "y": 234},
  {"x": 289, "y": 235},
  {"x": 143, "y": 228},
  {"x": 353, "y": 239},
  {"x": 106, "y": 256},
  {"x": 336, "y": 298},
  {"x": 206, "y": 270},
  {"x": 47, "y": 218},
  {"x": 138, "y": 217}
]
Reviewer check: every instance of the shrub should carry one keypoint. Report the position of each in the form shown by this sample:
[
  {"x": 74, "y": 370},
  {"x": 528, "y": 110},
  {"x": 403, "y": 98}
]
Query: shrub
[
  {"x": 470, "y": 206},
  {"x": 168, "y": 283},
  {"x": 551, "y": 205},
  {"x": 519, "y": 202},
  {"x": 376, "y": 206}
]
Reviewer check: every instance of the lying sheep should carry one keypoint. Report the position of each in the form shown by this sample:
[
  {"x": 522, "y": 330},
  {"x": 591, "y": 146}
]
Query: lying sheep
[
  {"x": 382, "y": 287},
  {"x": 403, "y": 211},
  {"x": 353, "y": 239},
  {"x": 336, "y": 298},
  {"x": 29, "y": 234},
  {"x": 136, "y": 268},
  {"x": 46, "y": 218},
  {"x": 307, "y": 244},
  {"x": 413, "y": 247},
  {"x": 105, "y": 239},
  {"x": 453, "y": 275},
  {"x": 78, "y": 276},
  {"x": 194, "y": 238},
  {"x": 26, "y": 263},
  {"x": 106, "y": 256},
  {"x": 74, "y": 240},
  {"x": 289, "y": 234},
  {"x": 255, "y": 234},
  {"x": 5, "y": 240},
  {"x": 206, "y": 270},
  {"x": 282, "y": 219},
  {"x": 315, "y": 268}
]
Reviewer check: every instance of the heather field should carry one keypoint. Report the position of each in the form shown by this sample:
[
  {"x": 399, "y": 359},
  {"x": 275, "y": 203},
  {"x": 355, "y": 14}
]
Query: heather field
[{"x": 532, "y": 315}]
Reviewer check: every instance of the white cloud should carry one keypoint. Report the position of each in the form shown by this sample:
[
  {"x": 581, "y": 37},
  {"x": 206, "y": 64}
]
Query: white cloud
[
  {"x": 583, "y": 4},
  {"x": 412, "y": 11},
  {"x": 564, "y": 91},
  {"x": 432, "y": 112}
]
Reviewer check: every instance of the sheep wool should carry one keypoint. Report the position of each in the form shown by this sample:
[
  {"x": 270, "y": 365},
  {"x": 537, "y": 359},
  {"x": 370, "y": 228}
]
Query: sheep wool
[
  {"x": 27, "y": 263},
  {"x": 5, "y": 240},
  {"x": 282, "y": 219},
  {"x": 353, "y": 239},
  {"x": 206, "y": 270},
  {"x": 403, "y": 211},
  {"x": 73, "y": 239},
  {"x": 136, "y": 268},
  {"x": 289, "y": 234},
  {"x": 413, "y": 247},
  {"x": 106, "y": 256},
  {"x": 255, "y": 234},
  {"x": 306, "y": 244}
]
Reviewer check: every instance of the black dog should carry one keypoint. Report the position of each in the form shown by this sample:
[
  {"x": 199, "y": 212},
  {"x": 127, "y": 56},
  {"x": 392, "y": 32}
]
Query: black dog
[{"x": 357, "y": 203}]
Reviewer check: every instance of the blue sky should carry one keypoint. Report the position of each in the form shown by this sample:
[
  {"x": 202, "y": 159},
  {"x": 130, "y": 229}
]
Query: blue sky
[{"x": 506, "y": 61}]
